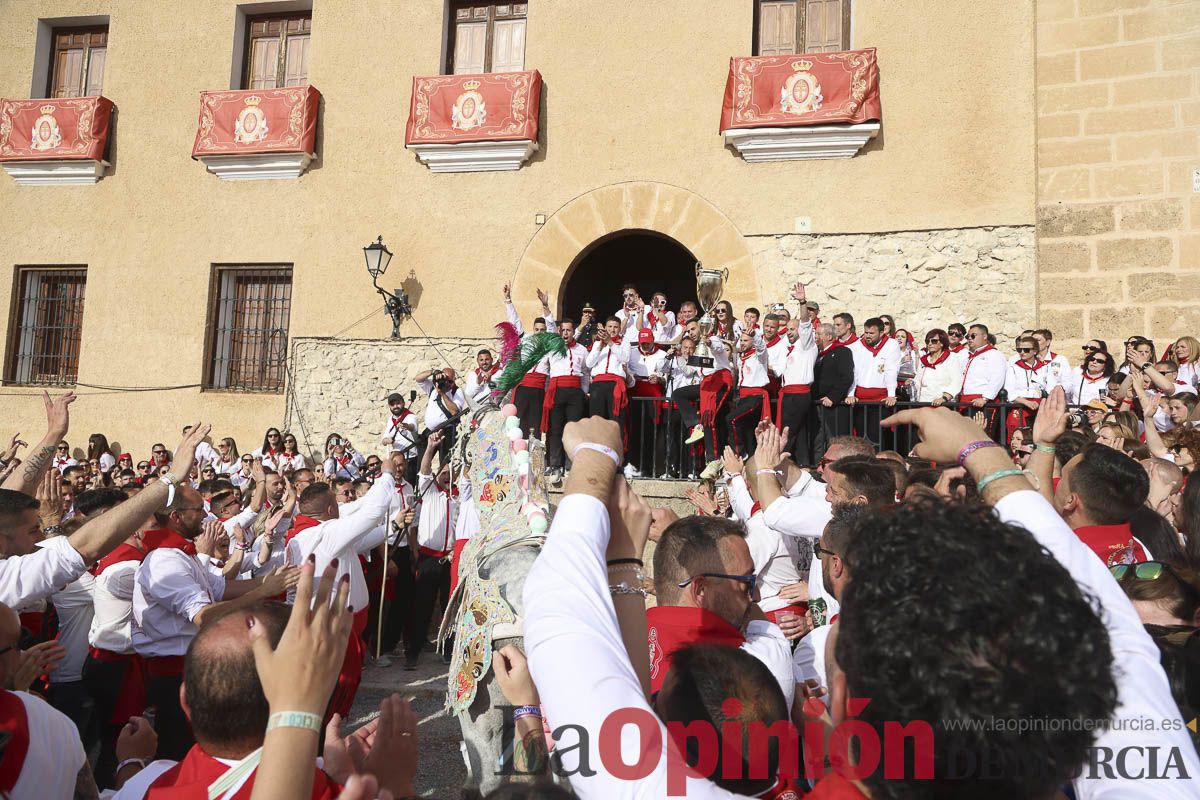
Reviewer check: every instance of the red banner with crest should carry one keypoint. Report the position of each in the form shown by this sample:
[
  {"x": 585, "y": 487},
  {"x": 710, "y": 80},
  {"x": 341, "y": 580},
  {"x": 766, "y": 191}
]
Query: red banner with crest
[
  {"x": 807, "y": 89},
  {"x": 67, "y": 128},
  {"x": 257, "y": 121},
  {"x": 493, "y": 107}
]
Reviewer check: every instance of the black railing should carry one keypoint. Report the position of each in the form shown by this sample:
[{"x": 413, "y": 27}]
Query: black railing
[{"x": 657, "y": 446}]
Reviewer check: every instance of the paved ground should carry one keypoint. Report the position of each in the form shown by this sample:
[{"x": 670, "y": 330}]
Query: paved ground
[{"x": 440, "y": 770}]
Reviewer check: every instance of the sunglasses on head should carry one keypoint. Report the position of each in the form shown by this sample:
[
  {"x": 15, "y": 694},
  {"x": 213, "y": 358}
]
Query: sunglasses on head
[{"x": 1150, "y": 571}]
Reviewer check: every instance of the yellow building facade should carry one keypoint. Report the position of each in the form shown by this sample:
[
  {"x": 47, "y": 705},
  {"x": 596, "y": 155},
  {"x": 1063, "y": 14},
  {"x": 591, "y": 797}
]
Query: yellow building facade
[{"x": 933, "y": 220}]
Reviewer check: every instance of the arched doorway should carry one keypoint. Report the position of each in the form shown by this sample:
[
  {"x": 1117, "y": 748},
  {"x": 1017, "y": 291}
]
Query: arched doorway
[{"x": 649, "y": 260}]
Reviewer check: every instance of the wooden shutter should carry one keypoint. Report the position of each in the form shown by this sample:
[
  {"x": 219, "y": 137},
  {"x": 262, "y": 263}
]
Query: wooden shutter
[
  {"x": 95, "y": 71},
  {"x": 508, "y": 46},
  {"x": 824, "y": 28},
  {"x": 264, "y": 63},
  {"x": 277, "y": 49},
  {"x": 470, "y": 45},
  {"x": 295, "y": 70},
  {"x": 77, "y": 66},
  {"x": 68, "y": 72},
  {"x": 777, "y": 27}
]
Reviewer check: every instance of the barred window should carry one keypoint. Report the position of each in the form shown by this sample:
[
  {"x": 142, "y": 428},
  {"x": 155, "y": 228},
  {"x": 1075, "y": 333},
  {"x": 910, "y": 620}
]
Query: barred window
[
  {"x": 47, "y": 321},
  {"x": 249, "y": 328}
]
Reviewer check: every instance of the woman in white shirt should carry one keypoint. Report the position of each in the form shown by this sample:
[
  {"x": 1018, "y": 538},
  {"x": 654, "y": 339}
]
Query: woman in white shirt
[
  {"x": 291, "y": 459},
  {"x": 1186, "y": 353},
  {"x": 272, "y": 446},
  {"x": 98, "y": 449},
  {"x": 938, "y": 375},
  {"x": 343, "y": 461},
  {"x": 1089, "y": 381},
  {"x": 229, "y": 461}
]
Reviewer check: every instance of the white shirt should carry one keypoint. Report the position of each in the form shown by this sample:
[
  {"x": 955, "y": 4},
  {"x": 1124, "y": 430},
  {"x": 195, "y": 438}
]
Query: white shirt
[
  {"x": 630, "y": 325},
  {"x": 205, "y": 454},
  {"x": 511, "y": 310},
  {"x": 434, "y": 415},
  {"x": 436, "y": 522},
  {"x": 932, "y": 383},
  {"x": 171, "y": 588},
  {"x": 356, "y": 530},
  {"x": 477, "y": 385},
  {"x": 293, "y": 462},
  {"x": 227, "y": 467},
  {"x": 984, "y": 372},
  {"x": 112, "y": 621},
  {"x": 350, "y": 467},
  {"x": 1082, "y": 389},
  {"x": 55, "y": 753},
  {"x": 269, "y": 459},
  {"x": 1029, "y": 383},
  {"x": 1060, "y": 367},
  {"x": 753, "y": 366},
  {"x": 876, "y": 370},
  {"x": 643, "y": 365},
  {"x": 577, "y": 656},
  {"x": 794, "y": 362},
  {"x": 400, "y": 432},
  {"x": 573, "y": 362},
  {"x": 74, "y": 606},
  {"x": 682, "y": 374},
  {"x": 805, "y": 513},
  {"x": 808, "y": 660},
  {"x": 663, "y": 325},
  {"x": 61, "y": 463},
  {"x": 720, "y": 357},
  {"x": 1188, "y": 377},
  {"x": 1142, "y": 689},
  {"x": 606, "y": 358},
  {"x": 773, "y": 564},
  {"x": 24, "y": 579}
]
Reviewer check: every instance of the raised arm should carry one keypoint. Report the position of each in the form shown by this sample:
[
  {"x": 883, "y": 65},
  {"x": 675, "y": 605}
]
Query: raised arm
[
  {"x": 100, "y": 536},
  {"x": 1154, "y": 439},
  {"x": 348, "y": 532},
  {"x": 25, "y": 478},
  {"x": 513, "y": 318},
  {"x": 1049, "y": 424}
]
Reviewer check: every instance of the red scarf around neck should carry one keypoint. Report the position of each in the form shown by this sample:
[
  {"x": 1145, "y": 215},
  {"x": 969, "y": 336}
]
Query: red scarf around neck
[
  {"x": 931, "y": 364},
  {"x": 980, "y": 351},
  {"x": 167, "y": 539},
  {"x": 874, "y": 351},
  {"x": 190, "y": 779},
  {"x": 1021, "y": 363}
]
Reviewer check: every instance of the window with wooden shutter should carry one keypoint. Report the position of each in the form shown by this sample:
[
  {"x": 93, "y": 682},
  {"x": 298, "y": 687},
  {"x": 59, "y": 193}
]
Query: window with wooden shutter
[
  {"x": 801, "y": 26},
  {"x": 77, "y": 62},
  {"x": 248, "y": 327},
  {"x": 277, "y": 51},
  {"x": 487, "y": 37},
  {"x": 47, "y": 326}
]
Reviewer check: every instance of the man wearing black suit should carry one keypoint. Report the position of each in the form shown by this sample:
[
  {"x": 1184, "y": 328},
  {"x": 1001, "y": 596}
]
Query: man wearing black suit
[{"x": 832, "y": 378}]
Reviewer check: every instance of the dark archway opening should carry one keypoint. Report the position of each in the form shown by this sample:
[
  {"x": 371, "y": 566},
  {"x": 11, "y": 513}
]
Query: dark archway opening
[{"x": 650, "y": 261}]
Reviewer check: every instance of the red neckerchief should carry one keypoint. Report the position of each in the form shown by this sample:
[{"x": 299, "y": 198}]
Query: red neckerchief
[
  {"x": 398, "y": 421},
  {"x": 1087, "y": 377},
  {"x": 755, "y": 508},
  {"x": 652, "y": 318},
  {"x": 774, "y": 340},
  {"x": 748, "y": 354},
  {"x": 853, "y": 338},
  {"x": 833, "y": 786},
  {"x": 836, "y": 344},
  {"x": 668, "y": 628},
  {"x": 161, "y": 538},
  {"x": 1021, "y": 363},
  {"x": 301, "y": 523},
  {"x": 931, "y": 364},
  {"x": 190, "y": 779},
  {"x": 271, "y": 452},
  {"x": 957, "y": 349},
  {"x": 653, "y": 349},
  {"x": 1114, "y": 544},
  {"x": 15, "y": 722},
  {"x": 123, "y": 552},
  {"x": 570, "y": 342},
  {"x": 343, "y": 460},
  {"x": 980, "y": 351},
  {"x": 874, "y": 351}
]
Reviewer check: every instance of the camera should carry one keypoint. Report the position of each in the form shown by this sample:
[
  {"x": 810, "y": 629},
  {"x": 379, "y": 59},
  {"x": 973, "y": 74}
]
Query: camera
[
  {"x": 1077, "y": 419},
  {"x": 442, "y": 381}
]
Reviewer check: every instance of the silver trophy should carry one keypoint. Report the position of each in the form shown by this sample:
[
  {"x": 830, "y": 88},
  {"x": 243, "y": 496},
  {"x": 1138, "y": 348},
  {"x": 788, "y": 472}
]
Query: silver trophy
[{"x": 709, "y": 284}]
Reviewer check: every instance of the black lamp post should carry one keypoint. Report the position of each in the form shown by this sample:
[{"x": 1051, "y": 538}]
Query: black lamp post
[{"x": 396, "y": 303}]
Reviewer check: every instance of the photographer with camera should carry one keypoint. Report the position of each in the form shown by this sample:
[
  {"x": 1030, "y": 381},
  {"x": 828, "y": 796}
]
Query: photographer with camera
[{"x": 445, "y": 401}]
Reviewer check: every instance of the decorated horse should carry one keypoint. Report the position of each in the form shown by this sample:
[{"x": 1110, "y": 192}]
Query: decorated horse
[{"x": 501, "y": 472}]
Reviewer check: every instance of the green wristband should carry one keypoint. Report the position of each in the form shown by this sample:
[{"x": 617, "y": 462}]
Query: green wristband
[
  {"x": 1046, "y": 448},
  {"x": 1011, "y": 472}
]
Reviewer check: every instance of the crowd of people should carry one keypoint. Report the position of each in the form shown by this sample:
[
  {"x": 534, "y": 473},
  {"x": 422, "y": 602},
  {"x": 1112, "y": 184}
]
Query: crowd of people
[{"x": 1005, "y": 550}]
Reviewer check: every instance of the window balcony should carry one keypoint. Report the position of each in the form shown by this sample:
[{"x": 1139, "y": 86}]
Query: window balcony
[
  {"x": 55, "y": 141},
  {"x": 801, "y": 107},
  {"x": 474, "y": 123},
  {"x": 259, "y": 134}
]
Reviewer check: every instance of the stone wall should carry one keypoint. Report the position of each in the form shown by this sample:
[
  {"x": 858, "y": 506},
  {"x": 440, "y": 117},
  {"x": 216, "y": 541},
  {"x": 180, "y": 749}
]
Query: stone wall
[
  {"x": 924, "y": 279},
  {"x": 341, "y": 385},
  {"x": 1118, "y": 140}
]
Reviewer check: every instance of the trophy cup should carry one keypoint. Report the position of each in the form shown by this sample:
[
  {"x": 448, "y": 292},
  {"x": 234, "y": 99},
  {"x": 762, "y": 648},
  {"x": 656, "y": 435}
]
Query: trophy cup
[{"x": 709, "y": 283}]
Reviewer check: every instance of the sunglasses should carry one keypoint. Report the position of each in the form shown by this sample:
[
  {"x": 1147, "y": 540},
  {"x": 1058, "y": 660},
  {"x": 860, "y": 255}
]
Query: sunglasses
[
  {"x": 143, "y": 465},
  {"x": 159, "y": 452},
  {"x": 747, "y": 581},
  {"x": 247, "y": 460},
  {"x": 62, "y": 447},
  {"x": 932, "y": 341},
  {"x": 1176, "y": 449},
  {"x": 1024, "y": 349},
  {"x": 821, "y": 552},
  {"x": 1087, "y": 348},
  {"x": 1149, "y": 571}
]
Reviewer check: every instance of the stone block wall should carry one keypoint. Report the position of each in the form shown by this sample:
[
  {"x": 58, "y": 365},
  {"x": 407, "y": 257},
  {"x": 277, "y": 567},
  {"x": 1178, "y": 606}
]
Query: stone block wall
[
  {"x": 1118, "y": 140},
  {"x": 341, "y": 385},
  {"x": 925, "y": 279}
]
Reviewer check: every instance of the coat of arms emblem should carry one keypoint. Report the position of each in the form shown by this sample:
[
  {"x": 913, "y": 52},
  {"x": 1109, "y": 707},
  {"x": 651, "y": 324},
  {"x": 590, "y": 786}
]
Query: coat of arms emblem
[
  {"x": 469, "y": 110},
  {"x": 251, "y": 125},
  {"x": 801, "y": 92},
  {"x": 45, "y": 134}
]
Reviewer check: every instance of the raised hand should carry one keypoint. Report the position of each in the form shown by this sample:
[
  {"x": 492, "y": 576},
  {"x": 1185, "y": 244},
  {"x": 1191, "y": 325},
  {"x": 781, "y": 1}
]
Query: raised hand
[
  {"x": 732, "y": 463},
  {"x": 512, "y": 673},
  {"x": 943, "y": 433},
  {"x": 16, "y": 444},
  {"x": 543, "y": 298},
  {"x": 799, "y": 292},
  {"x": 210, "y": 535},
  {"x": 704, "y": 502},
  {"x": 49, "y": 495},
  {"x": 58, "y": 419},
  {"x": 185, "y": 451},
  {"x": 35, "y": 661},
  {"x": 280, "y": 579},
  {"x": 507, "y": 292},
  {"x": 1051, "y": 420},
  {"x": 630, "y": 516}
]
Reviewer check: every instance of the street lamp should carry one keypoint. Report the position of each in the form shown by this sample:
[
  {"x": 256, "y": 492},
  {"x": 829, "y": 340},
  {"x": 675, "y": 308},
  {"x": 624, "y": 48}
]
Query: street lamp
[{"x": 395, "y": 303}]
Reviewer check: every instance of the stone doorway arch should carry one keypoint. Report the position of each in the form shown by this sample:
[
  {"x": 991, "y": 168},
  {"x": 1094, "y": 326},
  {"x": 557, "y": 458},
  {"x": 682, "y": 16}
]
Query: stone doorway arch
[{"x": 633, "y": 207}]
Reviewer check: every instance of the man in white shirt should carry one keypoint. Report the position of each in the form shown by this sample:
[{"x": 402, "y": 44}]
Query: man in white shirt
[
  {"x": 400, "y": 427},
  {"x": 660, "y": 320},
  {"x": 432, "y": 546},
  {"x": 477, "y": 387},
  {"x": 529, "y": 395},
  {"x": 608, "y": 395},
  {"x": 173, "y": 591},
  {"x": 565, "y": 396},
  {"x": 632, "y": 314},
  {"x": 984, "y": 369},
  {"x": 701, "y": 405},
  {"x": 753, "y": 402},
  {"x": 876, "y": 366},
  {"x": 647, "y": 438},
  {"x": 1029, "y": 379},
  {"x": 679, "y": 374},
  {"x": 793, "y": 359},
  {"x": 445, "y": 401}
]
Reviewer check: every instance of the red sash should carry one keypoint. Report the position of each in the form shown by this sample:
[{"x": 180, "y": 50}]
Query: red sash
[
  {"x": 15, "y": 722},
  {"x": 710, "y": 388},
  {"x": 567, "y": 382},
  {"x": 166, "y": 538},
  {"x": 534, "y": 380},
  {"x": 190, "y": 779},
  {"x": 644, "y": 388},
  {"x": 799, "y": 388},
  {"x": 798, "y": 610},
  {"x": 620, "y": 396},
  {"x": 669, "y": 628},
  {"x": 350, "y": 675},
  {"x": 759, "y": 391},
  {"x": 870, "y": 394}
]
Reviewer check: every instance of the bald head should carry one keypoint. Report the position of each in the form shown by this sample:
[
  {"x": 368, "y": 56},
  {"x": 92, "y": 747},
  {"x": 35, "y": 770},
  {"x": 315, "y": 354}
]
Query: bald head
[{"x": 221, "y": 692}]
